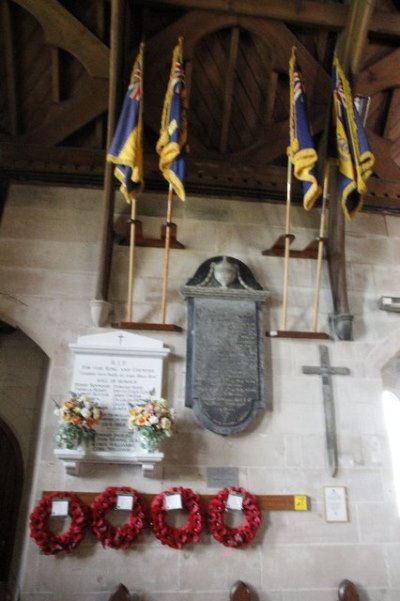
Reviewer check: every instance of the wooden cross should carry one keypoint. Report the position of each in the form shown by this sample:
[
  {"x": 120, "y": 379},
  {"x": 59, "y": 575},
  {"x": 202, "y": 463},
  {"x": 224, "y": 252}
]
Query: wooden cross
[{"x": 326, "y": 371}]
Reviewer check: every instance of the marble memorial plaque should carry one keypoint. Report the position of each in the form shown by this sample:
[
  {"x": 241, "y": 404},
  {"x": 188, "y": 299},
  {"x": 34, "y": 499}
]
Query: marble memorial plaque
[
  {"x": 115, "y": 369},
  {"x": 225, "y": 345}
]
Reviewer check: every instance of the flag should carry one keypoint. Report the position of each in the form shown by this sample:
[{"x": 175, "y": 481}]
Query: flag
[
  {"x": 173, "y": 132},
  {"x": 355, "y": 159},
  {"x": 126, "y": 149},
  {"x": 301, "y": 150}
]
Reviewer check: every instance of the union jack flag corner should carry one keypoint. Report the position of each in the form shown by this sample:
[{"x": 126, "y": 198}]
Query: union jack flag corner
[
  {"x": 171, "y": 145},
  {"x": 126, "y": 149}
]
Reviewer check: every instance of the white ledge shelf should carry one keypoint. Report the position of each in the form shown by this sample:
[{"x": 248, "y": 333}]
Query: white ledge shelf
[{"x": 73, "y": 459}]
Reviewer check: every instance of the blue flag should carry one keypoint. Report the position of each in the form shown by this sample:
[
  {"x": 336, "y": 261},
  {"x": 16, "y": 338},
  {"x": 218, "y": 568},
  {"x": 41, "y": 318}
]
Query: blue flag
[
  {"x": 126, "y": 149},
  {"x": 355, "y": 159},
  {"x": 301, "y": 150},
  {"x": 171, "y": 145}
]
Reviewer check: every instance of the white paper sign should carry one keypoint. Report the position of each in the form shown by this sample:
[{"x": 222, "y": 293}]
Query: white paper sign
[
  {"x": 59, "y": 507},
  {"x": 173, "y": 501},
  {"x": 234, "y": 501},
  {"x": 125, "y": 501},
  {"x": 335, "y": 504}
]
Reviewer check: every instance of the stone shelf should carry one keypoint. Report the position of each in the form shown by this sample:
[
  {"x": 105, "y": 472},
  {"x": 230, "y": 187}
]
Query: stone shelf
[{"x": 73, "y": 459}]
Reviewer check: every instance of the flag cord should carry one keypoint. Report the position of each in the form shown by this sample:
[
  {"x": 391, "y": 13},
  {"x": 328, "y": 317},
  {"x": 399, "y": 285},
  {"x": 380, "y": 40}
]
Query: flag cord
[
  {"x": 321, "y": 245},
  {"x": 131, "y": 259},
  {"x": 166, "y": 254},
  {"x": 287, "y": 245}
]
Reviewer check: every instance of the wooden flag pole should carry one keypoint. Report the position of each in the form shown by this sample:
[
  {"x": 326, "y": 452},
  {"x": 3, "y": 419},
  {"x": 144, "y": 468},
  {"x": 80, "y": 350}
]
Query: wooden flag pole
[
  {"x": 131, "y": 259},
  {"x": 166, "y": 255},
  {"x": 287, "y": 245},
  {"x": 321, "y": 246}
]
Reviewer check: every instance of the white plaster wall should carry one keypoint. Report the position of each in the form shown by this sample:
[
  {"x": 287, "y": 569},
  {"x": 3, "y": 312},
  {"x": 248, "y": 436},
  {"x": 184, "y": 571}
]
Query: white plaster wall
[{"x": 48, "y": 263}]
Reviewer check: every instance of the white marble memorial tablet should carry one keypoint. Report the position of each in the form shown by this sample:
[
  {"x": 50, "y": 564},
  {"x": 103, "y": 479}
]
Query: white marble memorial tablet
[{"x": 117, "y": 369}]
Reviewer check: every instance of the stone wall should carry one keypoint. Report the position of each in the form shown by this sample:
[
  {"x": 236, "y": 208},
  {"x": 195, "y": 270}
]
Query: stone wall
[{"x": 48, "y": 264}]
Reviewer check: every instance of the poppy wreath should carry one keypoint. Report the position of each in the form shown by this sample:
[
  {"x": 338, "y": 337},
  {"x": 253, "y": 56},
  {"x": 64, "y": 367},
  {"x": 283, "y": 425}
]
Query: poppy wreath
[
  {"x": 117, "y": 537},
  {"x": 233, "y": 537},
  {"x": 49, "y": 542},
  {"x": 186, "y": 534}
]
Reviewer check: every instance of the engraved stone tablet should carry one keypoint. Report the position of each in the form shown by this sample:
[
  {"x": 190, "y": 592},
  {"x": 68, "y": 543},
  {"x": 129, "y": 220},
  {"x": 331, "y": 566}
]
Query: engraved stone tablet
[
  {"x": 225, "y": 345},
  {"x": 115, "y": 369}
]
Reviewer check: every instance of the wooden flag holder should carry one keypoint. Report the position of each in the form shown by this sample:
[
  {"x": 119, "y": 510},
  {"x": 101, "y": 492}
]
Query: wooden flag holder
[
  {"x": 297, "y": 334},
  {"x": 140, "y": 240},
  {"x": 138, "y": 325},
  {"x": 278, "y": 248},
  {"x": 266, "y": 502}
]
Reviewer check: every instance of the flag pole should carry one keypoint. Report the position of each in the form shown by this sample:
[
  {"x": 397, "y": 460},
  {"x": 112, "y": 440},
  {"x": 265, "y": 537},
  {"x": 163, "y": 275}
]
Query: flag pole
[
  {"x": 166, "y": 255},
  {"x": 131, "y": 259},
  {"x": 321, "y": 246},
  {"x": 287, "y": 245}
]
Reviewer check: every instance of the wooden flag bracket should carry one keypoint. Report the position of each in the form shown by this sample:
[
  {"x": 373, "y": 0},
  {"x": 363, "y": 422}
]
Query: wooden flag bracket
[
  {"x": 140, "y": 240},
  {"x": 278, "y": 248},
  {"x": 266, "y": 502},
  {"x": 138, "y": 325},
  {"x": 297, "y": 334}
]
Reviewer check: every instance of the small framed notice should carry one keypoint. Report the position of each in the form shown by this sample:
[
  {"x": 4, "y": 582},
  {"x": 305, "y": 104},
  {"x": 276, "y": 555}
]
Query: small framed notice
[
  {"x": 125, "y": 501},
  {"x": 173, "y": 501},
  {"x": 234, "y": 501},
  {"x": 335, "y": 504},
  {"x": 59, "y": 507}
]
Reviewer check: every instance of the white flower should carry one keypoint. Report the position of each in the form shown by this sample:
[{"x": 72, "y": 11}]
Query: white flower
[
  {"x": 153, "y": 419},
  {"x": 85, "y": 413}
]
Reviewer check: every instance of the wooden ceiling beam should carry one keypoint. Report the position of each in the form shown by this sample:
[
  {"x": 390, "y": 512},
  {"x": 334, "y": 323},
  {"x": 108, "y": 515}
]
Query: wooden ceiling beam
[
  {"x": 63, "y": 30},
  {"x": 7, "y": 29},
  {"x": 229, "y": 84},
  {"x": 65, "y": 118},
  {"x": 308, "y": 12}
]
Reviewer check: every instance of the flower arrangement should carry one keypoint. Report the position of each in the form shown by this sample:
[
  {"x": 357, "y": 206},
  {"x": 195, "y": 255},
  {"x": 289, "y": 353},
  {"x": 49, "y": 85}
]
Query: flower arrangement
[
  {"x": 153, "y": 421},
  {"x": 78, "y": 415}
]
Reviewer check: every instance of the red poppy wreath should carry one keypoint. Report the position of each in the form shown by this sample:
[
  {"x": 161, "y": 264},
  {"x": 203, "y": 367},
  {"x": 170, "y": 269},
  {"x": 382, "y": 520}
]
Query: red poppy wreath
[
  {"x": 233, "y": 537},
  {"x": 117, "y": 537},
  {"x": 177, "y": 537},
  {"x": 49, "y": 542}
]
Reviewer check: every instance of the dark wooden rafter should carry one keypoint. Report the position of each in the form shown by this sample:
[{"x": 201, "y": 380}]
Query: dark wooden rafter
[
  {"x": 229, "y": 88},
  {"x": 332, "y": 16},
  {"x": 241, "y": 153},
  {"x": 69, "y": 115},
  {"x": 63, "y": 30},
  {"x": 10, "y": 67},
  {"x": 318, "y": 14}
]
